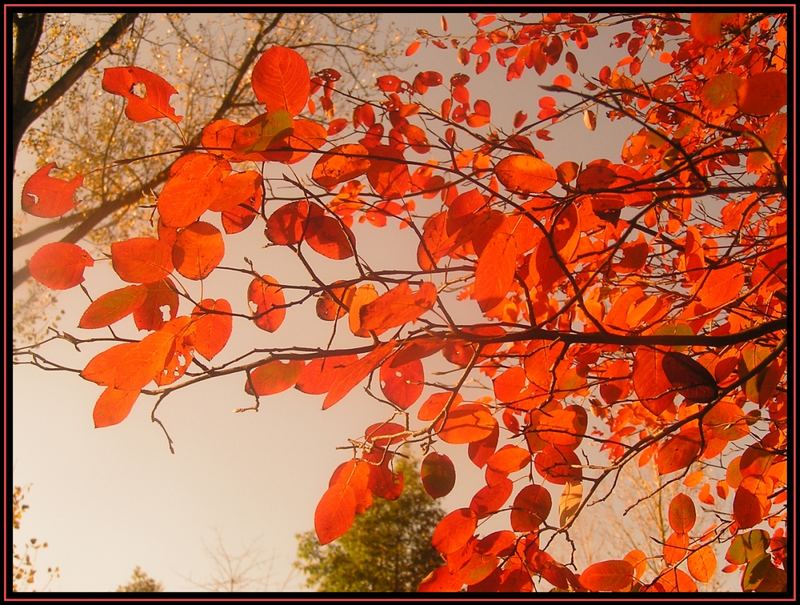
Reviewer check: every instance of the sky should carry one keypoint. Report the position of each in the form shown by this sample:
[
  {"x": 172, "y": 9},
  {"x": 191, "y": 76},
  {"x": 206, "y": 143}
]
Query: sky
[{"x": 109, "y": 500}]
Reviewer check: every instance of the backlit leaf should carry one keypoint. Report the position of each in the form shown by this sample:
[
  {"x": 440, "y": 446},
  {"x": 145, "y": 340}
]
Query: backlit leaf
[
  {"x": 281, "y": 80},
  {"x": 48, "y": 197},
  {"x": 491, "y": 498},
  {"x": 570, "y": 502},
  {"x": 679, "y": 451},
  {"x": 558, "y": 465},
  {"x": 692, "y": 380},
  {"x": 273, "y": 377},
  {"x": 153, "y": 104},
  {"x": 198, "y": 250},
  {"x": 746, "y": 508},
  {"x": 268, "y": 300},
  {"x": 141, "y": 259},
  {"x": 319, "y": 374},
  {"x": 763, "y": 93},
  {"x": 194, "y": 183},
  {"x": 213, "y": 324},
  {"x": 531, "y": 508},
  {"x": 59, "y": 265},
  {"x": 682, "y": 514},
  {"x": 113, "y": 306},
  {"x": 341, "y": 164},
  {"x": 607, "y": 576},
  {"x": 702, "y": 564},
  {"x": 161, "y": 299},
  {"x": 345, "y": 381},
  {"x": 525, "y": 174},
  {"x": 398, "y": 306},
  {"x": 113, "y": 407},
  {"x": 466, "y": 423},
  {"x": 494, "y": 274},
  {"x": 454, "y": 530},
  {"x": 402, "y": 384},
  {"x": 335, "y": 513}
]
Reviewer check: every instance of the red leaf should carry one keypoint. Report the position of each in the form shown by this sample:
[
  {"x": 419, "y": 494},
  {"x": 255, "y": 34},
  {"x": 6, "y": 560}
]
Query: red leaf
[
  {"x": 454, "y": 530},
  {"x": 213, "y": 324},
  {"x": 329, "y": 237},
  {"x": 131, "y": 365},
  {"x": 682, "y": 514},
  {"x": 340, "y": 164},
  {"x": 525, "y": 174},
  {"x": 153, "y": 104},
  {"x": 141, "y": 260},
  {"x": 491, "y": 498},
  {"x": 345, "y": 381},
  {"x": 281, "y": 80},
  {"x": 59, "y": 265},
  {"x": 268, "y": 300},
  {"x": 707, "y": 27},
  {"x": 402, "y": 383},
  {"x": 289, "y": 223},
  {"x": 692, "y": 380},
  {"x": 319, "y": 374},
  {"x": 113, "y": 306},
  {"x": 607, "y": 576},
  {"x": 481, "y": 450},
  {"x": 746, "y": 508},
  {"x": 531, "y": 508},
  {"x": 335, "y": 512},
  {"x": 48, "y": 197},
  {"x": 494, "y": 274},
  {"x": 113, "y": 407},
  {"x": 558, "y": 465},
  {"x": 198, "y": 250},
  {"x": 195, "y": 182},
  {"x": 508, "y": 459},
  {"x": 273, "y": 377},
  {"x": 412, "y": 48},
  {"x": 679, "y": 451},
  {"x": 398, "y": 306},
  {"x": 237, "y": 188},
  {"x": 150, "y": 314},
  {"x": 438, "y": 475},
  {"x": 466, "y": 423}
]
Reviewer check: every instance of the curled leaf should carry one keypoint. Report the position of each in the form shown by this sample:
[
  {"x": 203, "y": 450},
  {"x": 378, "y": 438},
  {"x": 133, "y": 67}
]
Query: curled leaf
[{"x": 153, "y": 104}]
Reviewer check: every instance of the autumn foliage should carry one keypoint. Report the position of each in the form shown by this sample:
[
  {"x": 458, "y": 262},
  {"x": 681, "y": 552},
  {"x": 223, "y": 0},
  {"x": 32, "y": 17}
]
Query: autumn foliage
[{"x": 629, "y": 310}]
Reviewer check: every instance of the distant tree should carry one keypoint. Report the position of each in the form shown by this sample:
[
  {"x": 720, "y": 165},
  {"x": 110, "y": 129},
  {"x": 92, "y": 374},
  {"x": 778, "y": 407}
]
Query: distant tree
[
  {"x": 141, "y": 582},
  {"x": 24, "y": 570},
  {"x": 388, "y": 548}
]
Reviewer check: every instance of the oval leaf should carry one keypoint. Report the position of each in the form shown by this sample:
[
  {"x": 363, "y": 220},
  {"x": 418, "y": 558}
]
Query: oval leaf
[
  {"x": 281, "y": 80},
  {"x": 273, "y": 377},
  {"x": 335, "y": 512},
  {"x": 141, "y": 260},
  {"x": 198, "y": 250},
  {"x": 213, "y": 324},
  {"x": 48, "y": 197},
  {"x": 268, "y": 300},
  {"x": 59, "y": 265},
  {"x": 682, "y": 514},
  {"x": 454, "y": 530},
  {"x": 113, "y": 306},
  {"x": 438, "y": 475},
  {"x": 113, "y": 407},
  {"x": 467, "y": 423},
  {"x": 607, "y": 576},
  {"x": 525, "y": 174},
  {"x": 531, "y": 508}
]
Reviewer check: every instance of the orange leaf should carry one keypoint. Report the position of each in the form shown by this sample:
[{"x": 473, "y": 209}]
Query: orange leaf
[
  {"x": 59, "y": 265},
  {"x": 438, "y": 475},
  {"x": 237, "y": 188},
  {"x": 113, "y": 306},
  {"x": 131, "y": 365},
  {"x": 213, "y": 324},
  {"x": 289, "y": 223},
  {"x": 198, "y": 250},
  {"x": 319, "y": 374},
  {"x": 340, "y": 164},
  {"x": 531, "y": 508},
  {"x": 675, "y": 548},
  {"x": 650, "y": 381},
  {"x": 48, "y": 197},
  {"x": 268, "y": 300},
  {"x": 682, "y": 514},
  {"x": 702, "y": 564},
  {"x": 638, "y": 560},
  {"x": 721, "y": 91},
  {"x": 335, "y": 512},
  {"x": 679, "y": 451},
  {"x": 281, "y": 80},
  {"x": 466, "y": 423},
  {"x": 607, "y": 576},
  {"x": 273, "y": 377},
  {"x": 763, "y": 93},
  {"x": 141, "y": 259},
  {"x": 565, "y": 427},
  {"x": 491, "y": 498},
  {"x": 345, "y": 381},
  {"x": 707, "y": 27},
  {"x": 525, "y": 174},
  {"x": 676, "y": 580},
  {"x": 402, "y": 383},
  {"x": 153, "y": 104},
  {"x": 494, "y": 274},
  {"x": 113, "y": 407},
  {"x": 454, "y": 530},
  {"x": 721, "y": 286},
  {"x": 195, "y": 182},
  {"x": 412, "y": 48},
  {"x": 508, "y": 459},
  {"x": 150, "y": 314},
  {"x": 481, "y": 450},
  {"x": 398, "y": 306}
]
